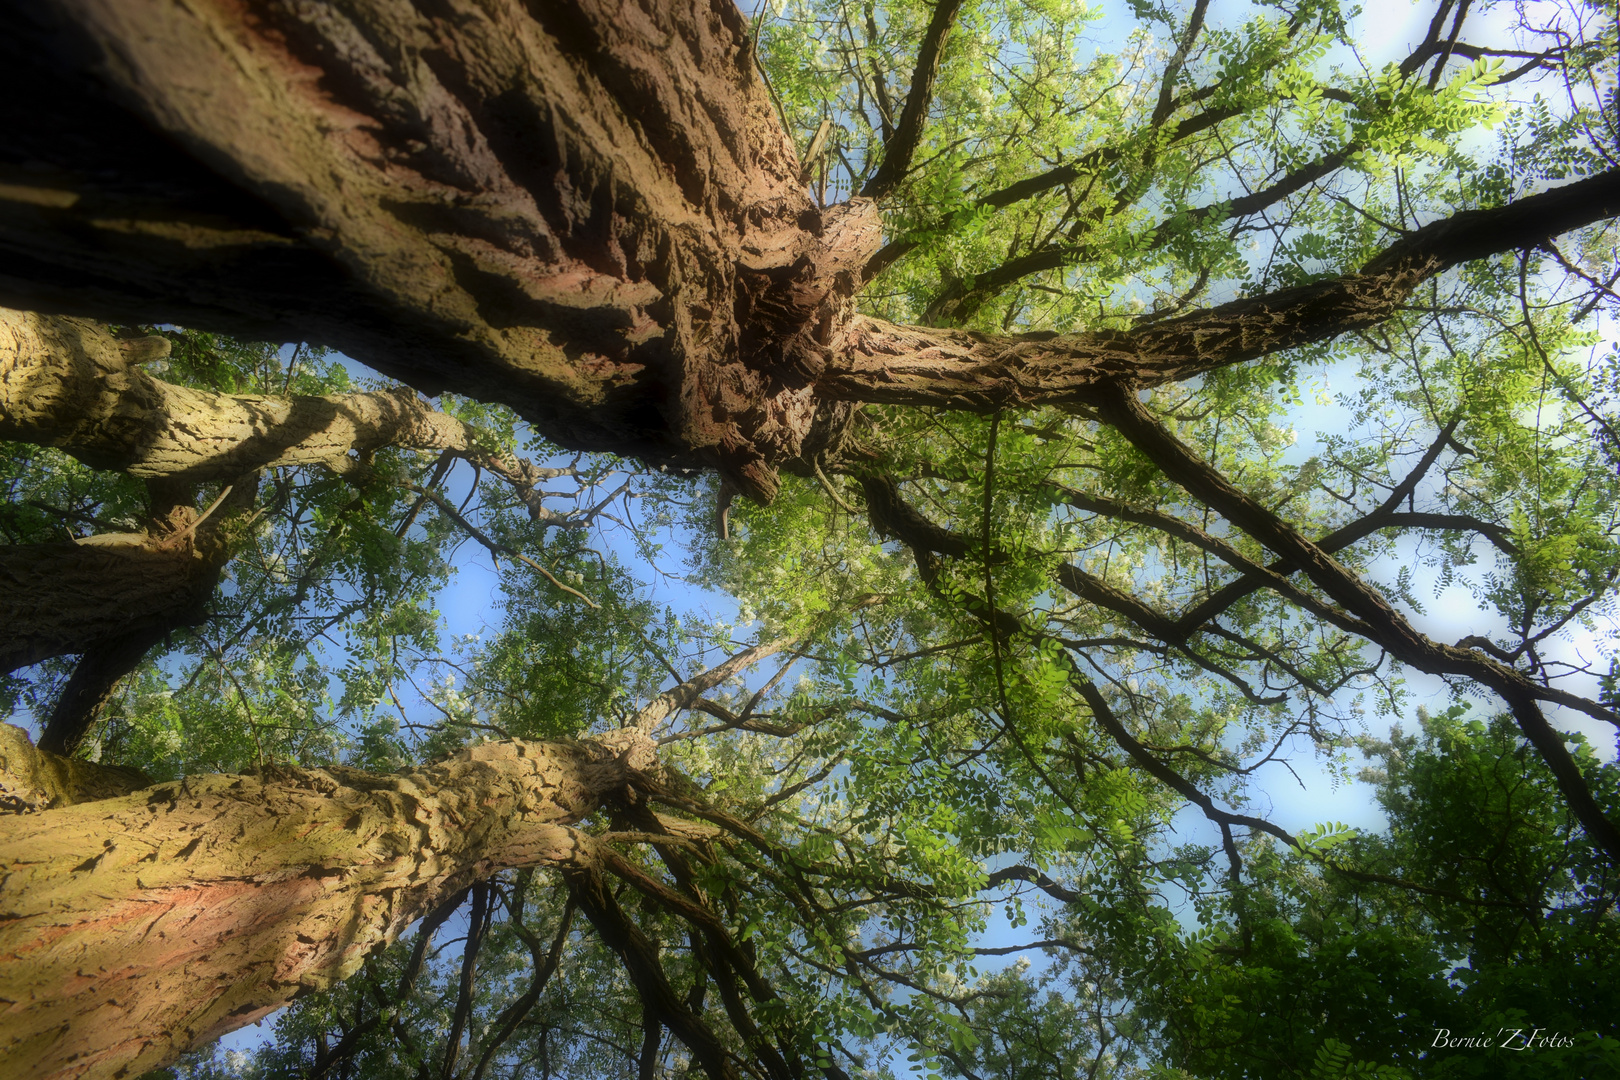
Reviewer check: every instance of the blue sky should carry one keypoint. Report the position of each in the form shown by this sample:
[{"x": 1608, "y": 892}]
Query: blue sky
[{"x": 1298, "y": 799}]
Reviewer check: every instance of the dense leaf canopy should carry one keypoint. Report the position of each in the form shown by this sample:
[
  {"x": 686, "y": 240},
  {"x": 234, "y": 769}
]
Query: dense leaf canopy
[{"x": 996, "y": 799}]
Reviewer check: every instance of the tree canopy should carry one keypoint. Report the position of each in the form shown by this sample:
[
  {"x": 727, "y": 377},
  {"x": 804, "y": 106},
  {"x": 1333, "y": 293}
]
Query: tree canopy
[{"x": 1132, "y": 408}]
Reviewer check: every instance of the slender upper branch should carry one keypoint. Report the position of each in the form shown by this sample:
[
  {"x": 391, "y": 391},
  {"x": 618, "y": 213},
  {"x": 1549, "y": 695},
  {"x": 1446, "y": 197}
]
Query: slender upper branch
[
  {"x": 966, "y": 370},
  {"x": 688, "y": 693},
  {"x": 1055, "y": 177},
  {"x": 1387, "y": 626},
  {"x": 898, "y": 152},
  {"x": 1172, "y": 70},
  {"x": 958, "y": 301}
]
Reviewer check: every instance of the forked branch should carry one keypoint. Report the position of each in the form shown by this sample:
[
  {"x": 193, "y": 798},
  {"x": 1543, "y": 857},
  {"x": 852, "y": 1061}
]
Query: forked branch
[{"x": 900, "y": 149}]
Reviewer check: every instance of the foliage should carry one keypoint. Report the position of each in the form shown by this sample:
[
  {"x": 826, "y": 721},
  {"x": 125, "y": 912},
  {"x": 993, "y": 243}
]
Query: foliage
[
  {"x": 1038, "y": 680},
  {"x": 1513, "y": 933}
]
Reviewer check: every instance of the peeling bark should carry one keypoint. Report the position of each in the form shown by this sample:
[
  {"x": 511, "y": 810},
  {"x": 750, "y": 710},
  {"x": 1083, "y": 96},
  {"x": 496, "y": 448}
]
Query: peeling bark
[{"x": 138, "y": 926}]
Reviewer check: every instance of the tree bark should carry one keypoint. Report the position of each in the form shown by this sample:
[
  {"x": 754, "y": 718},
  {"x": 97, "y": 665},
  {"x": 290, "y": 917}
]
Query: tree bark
[
  {"x": 33, "y": 780},
  {"x": 583, "y": 209},
  {"x": 71, "y": 384},
  {"x": 139, "y": 926},
  {"x": 75, "y": 595},
  {"x": 967, "y": 370},
  {"x": 94, "y": 678}
]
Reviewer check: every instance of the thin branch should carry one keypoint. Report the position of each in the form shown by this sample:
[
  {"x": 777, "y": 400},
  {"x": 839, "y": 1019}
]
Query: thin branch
[
  {"x": 898, "y": 151},
  {"x": 494, "y": 547},
  {"x": 1387, "y": 627}
]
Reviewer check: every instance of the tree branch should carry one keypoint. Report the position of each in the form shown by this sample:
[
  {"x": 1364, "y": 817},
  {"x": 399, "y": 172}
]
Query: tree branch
[
  {"x": 34, "y": 779},
  {"x": 477, "y": 925},
  {"x": 958, "y": 302},
  {"x": 898, "y": 151},
  {"x": 964, "y": 370},
  {"x": 1028, "y": 188},
  {"x": 95, "y": 676},
  {"x": 1172, "y": 70},
  {"x": 495, "y": 547},
  {"x": 1386, "y": 626},
  {"x": 689, "y": 693},
  {"x": 589, "y": 890}
]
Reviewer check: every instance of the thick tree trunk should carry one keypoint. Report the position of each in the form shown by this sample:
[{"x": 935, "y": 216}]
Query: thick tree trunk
[
  {"x": 74, "y": 595},
  {"x": 70, "y": 383},
  {"x": 585, "y": 209},
  {"x": 136, "y": 927}
]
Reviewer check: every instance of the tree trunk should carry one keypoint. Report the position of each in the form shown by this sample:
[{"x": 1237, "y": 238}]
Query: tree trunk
[
  {"x": 137, "y": 927},
  {"x": 70, "y": 383},
  {"x": 74, "y": 595},
  {"x": 584, "y": 209},
  {"x": 95, "y": 677}
]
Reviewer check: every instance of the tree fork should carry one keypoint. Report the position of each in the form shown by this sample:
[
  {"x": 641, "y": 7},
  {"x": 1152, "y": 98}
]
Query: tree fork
[
  {"x": 138, "y": 926},
  {"x": 1386, "y": 626},
  {"x": 589, "y": 892},
  {"x": 1375, "y": 618},
  {"x": 556, "y": 211}
]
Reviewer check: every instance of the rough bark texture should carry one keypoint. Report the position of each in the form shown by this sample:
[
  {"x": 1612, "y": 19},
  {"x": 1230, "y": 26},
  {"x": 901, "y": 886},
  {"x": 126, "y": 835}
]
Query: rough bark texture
[
  {"x": 586, "y": 210},
  {"x": 133, "y": 928},
  {"x": 70, "y": 383},
  {"x": 73, "y": 595},
  {"x": 961, "y": 369},
  {"x": 32, "y": 780}
]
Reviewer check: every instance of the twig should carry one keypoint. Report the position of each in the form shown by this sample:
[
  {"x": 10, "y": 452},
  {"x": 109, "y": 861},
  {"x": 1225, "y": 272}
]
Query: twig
[
  {"x": 495, "y": 546},
  {"x": 831, "y": 492},
  {"x": 189, "y": 529}
]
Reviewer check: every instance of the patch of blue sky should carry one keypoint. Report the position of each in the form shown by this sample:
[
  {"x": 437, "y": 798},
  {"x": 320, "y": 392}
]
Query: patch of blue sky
[{"x": 1304, "y": 793}]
